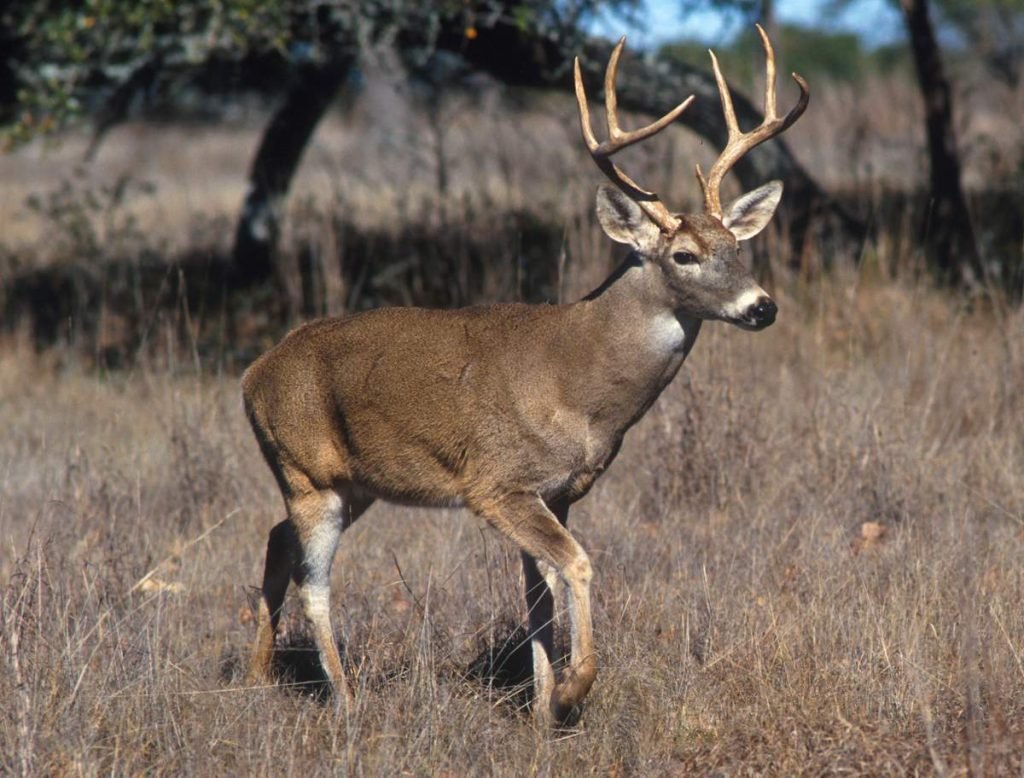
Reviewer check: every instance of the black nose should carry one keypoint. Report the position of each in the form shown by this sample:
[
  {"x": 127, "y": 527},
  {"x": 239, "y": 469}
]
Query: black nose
[{"x": 763, "y": 313}]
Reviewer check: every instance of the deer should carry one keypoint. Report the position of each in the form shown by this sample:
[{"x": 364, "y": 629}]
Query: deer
[{"x": 510, "y": 410}]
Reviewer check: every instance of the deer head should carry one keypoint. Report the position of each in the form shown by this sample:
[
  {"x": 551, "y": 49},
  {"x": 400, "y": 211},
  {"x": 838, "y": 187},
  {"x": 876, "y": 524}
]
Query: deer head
[{"x": 697, "y": 254}]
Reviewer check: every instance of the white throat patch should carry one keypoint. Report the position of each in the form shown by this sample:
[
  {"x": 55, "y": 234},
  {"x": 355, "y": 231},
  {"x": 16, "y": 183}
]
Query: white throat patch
[{"x": 666, "y": 334}]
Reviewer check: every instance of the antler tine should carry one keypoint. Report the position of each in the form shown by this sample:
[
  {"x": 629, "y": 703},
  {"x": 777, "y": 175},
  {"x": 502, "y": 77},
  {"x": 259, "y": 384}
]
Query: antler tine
[
  {"x": 769, "y": 74},
  {"x": 731, "y": 124},
  {"x": 739, "y": 143},
  {"x": 611, "y": 97},
  {"x": 618, "y": 140}
]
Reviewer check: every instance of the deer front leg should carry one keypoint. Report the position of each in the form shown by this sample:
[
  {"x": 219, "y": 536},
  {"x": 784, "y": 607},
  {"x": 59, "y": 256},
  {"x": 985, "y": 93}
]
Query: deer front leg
[
  {"x": 527, "y": 521},
  {"x": 540, "y": 614}
]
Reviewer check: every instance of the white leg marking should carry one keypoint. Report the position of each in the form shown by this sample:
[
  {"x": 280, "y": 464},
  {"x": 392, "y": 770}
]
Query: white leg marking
[
  {"x": 578, "y": 583},
  {"x": 316, "y": 602},
  {"x": 319, "y": 545},
  {"x": 554, "y": 582}
]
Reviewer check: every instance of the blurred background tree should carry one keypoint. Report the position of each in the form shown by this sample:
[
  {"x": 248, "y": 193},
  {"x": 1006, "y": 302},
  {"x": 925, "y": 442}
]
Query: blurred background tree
[
  {"x": 106, "y": 60},
  {"x": 992, "y": 29},
  {"x": 73, "y": 60},
  {"x": 101, "y": 60},
  {"x": 947, "y": 231}
]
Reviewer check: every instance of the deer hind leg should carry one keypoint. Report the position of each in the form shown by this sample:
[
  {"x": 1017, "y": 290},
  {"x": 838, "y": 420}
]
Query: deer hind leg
[
  {"x": 318, "y": 526},
  {"x": 302, "y": 547},
  {"x": 319, "y": 520},
  {"x": 527, "y": 521}
]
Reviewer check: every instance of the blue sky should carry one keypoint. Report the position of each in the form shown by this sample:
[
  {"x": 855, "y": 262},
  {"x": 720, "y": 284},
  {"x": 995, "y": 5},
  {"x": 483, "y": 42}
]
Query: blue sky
[{"x": 875, "y": 21}]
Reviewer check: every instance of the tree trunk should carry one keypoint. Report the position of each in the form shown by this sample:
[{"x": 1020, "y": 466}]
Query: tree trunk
[
  {"x": 948, "y": 235},
  {"x": 275, "y": 163},
  {"x": 114, "y": 109},
  {"x": 519, "y": 59}
]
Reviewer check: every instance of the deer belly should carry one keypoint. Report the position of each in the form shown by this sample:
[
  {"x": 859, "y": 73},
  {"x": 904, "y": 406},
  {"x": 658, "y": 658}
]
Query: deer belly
[
  {"x": 577, "y": 464},
  {"x": 409, "y": 471}
]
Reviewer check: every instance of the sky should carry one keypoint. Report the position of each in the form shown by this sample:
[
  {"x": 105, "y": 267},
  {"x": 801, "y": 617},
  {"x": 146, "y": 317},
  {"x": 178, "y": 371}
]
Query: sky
[{"x": 875, "y": 21}]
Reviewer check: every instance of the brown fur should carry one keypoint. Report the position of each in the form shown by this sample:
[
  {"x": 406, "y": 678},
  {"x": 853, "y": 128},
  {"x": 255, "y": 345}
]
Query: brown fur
[{"x": 510, "y": 410}]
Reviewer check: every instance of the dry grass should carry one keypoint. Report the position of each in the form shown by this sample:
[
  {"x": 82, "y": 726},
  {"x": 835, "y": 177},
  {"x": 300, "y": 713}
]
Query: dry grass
[
  {"x": 743, "y": 621},
  {"x": 500, "y": 150},
  {"x": 807, "y": 555}
]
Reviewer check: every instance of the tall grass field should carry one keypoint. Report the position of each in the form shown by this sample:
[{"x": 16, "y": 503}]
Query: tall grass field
[{"x": 808, "y": 555}]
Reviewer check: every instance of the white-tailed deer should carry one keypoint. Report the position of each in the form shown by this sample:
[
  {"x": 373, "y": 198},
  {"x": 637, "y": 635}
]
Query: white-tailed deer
[{"x": 513, "y": 410}]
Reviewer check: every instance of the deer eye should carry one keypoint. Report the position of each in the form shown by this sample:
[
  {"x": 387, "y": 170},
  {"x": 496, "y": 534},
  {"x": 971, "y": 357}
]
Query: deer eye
[{"x": 685, "y": 258}]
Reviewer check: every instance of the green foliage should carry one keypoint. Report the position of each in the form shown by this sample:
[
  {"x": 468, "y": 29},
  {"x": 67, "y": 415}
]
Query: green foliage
[
  {"x": 71, "y": 57},
  {"x": 838, "y": 56},
  {"x": 751, "y": 10},
  {"x": 891, "y": 57},
  {"x": 991, "y": 29},
  {"x": 70, "y": 49},
  {"x": 813, "y": 53}
]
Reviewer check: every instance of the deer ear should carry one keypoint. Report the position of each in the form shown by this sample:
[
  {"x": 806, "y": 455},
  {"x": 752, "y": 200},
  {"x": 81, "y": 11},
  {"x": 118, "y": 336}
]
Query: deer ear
[
  {"x": 748, "y": 215},
  {"x": 622, "y": 219}
]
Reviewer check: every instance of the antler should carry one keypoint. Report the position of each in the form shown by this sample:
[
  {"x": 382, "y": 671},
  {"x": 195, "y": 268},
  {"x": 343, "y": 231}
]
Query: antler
[
  {"x": 740, "y": 143},
  {"x": 618, "y": 139}
]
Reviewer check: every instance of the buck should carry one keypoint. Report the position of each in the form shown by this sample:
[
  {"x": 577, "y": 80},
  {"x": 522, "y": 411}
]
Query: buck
[{"x": 510, "y": 410}]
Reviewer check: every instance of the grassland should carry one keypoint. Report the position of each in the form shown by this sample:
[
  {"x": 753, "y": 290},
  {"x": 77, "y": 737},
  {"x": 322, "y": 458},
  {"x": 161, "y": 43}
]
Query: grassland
[{"x": 808, "y": 554}]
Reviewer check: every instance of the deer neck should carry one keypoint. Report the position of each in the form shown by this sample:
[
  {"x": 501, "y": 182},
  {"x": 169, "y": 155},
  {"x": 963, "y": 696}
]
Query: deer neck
[
  {"x": 638, "y": 312},
  {"x": 639, "y": 344}
]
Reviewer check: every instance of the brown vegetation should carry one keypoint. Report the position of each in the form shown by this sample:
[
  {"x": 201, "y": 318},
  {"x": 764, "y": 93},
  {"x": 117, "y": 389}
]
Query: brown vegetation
[
  {"x": 737, "y": 627},
  {"x": 807, "y": 556}
]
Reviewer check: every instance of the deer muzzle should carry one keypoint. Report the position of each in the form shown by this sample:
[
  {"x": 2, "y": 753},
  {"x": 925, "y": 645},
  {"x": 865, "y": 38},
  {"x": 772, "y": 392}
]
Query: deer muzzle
[
  {"x": 762, "y": 313},
  {"x": 752, "y": 310}
]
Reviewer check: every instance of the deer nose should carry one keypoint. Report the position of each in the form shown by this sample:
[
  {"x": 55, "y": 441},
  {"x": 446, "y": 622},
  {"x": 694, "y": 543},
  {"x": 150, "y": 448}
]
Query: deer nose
[{"x": 762, "y": 313}]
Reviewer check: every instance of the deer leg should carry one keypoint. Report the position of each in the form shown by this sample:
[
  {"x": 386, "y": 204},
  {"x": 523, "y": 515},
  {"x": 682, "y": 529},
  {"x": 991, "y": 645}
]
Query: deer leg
[
  {"x": 543, "y": 592},
  {"x": 583, "y": 663},
  {"x": 561, "y": 510},
  {"x": 540, "y": 614},
  {"x": 528, "y": 522},
  {"x": 276, "y": 573},
  {"x": 579, "y": 677},
  {"x": 319, "y": 519}
]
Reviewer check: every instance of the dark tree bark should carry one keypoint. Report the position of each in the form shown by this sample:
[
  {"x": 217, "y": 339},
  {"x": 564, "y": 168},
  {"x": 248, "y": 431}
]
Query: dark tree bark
[
  {"x": 521, "y": 58},
  {"x": 275, "y": 163},
  {"x": 518, "y": 59},
  {"x": 948, "y": 235},
  {"x": 116, "y": 106}
]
